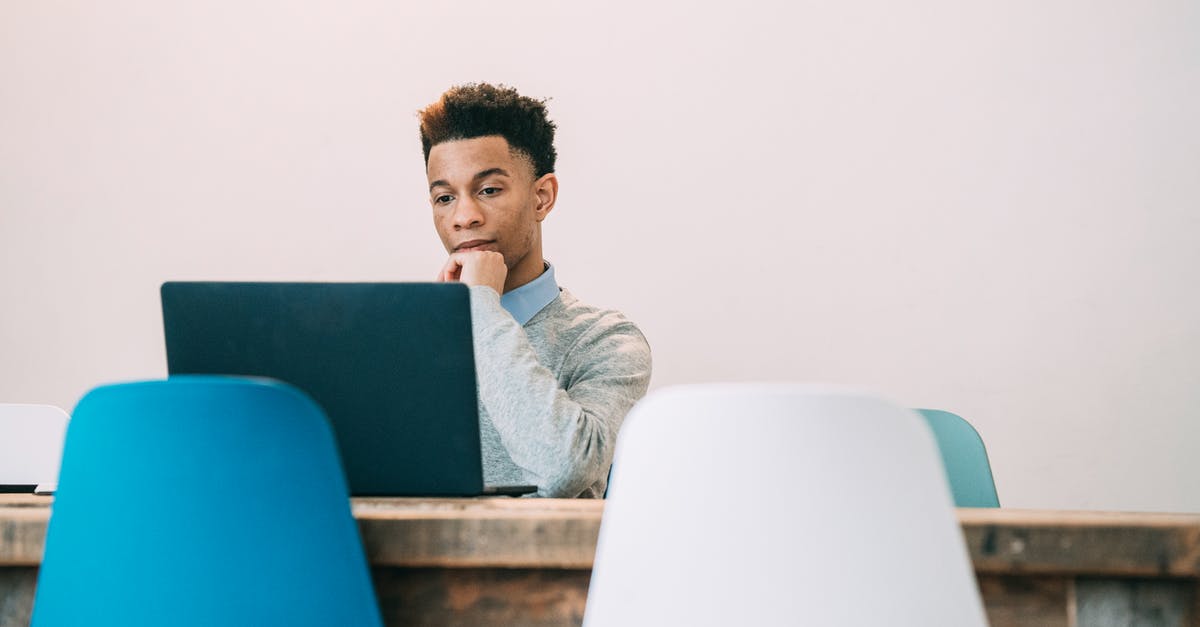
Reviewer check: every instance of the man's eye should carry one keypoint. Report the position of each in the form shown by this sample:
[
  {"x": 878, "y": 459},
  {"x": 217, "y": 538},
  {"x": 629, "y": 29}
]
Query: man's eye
[
  {"x": 443, "y": 199},
  {"x": 490, "y": 191}
]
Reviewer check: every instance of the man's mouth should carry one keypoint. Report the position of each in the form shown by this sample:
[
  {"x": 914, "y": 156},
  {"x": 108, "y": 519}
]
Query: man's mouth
[{"x": 475, "y": 244}]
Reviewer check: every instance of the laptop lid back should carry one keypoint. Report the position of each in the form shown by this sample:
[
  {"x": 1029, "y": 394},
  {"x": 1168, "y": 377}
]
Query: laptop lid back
[{"x": 390, "y": 363}]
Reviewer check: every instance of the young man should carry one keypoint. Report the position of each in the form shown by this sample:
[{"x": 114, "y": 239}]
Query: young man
[{"x": 556, "y": 376}]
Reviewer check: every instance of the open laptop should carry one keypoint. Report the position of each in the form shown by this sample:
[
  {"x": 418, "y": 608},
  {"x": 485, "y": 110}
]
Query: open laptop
[{"x": 392, "y": 365}]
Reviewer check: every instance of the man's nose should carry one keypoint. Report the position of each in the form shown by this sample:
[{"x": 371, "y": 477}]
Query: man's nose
[{"x": 467, "y": 214}]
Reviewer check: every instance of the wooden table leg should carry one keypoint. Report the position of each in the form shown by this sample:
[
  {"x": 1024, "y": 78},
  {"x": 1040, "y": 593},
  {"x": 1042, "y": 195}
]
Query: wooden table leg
[
  {"x": 1026, "y": 601},
  {"x": 481, "y": 596},
  {"x": 1142, "y": 602},
  {"x": 17, "y": 584}
]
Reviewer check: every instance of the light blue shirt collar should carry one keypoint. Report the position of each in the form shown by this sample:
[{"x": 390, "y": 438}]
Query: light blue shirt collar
[{"x": 525, "y": 301}]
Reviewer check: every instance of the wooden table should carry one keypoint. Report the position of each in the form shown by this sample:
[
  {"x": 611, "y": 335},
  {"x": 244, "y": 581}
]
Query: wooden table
[{"x": 527, "y": 562}]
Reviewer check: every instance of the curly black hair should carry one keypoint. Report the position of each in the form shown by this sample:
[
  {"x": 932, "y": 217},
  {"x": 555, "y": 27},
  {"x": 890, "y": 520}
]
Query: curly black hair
[{"x": 482, "y": 110}]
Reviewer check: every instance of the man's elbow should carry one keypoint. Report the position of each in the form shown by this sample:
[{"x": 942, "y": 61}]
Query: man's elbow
[{"x": 582, "y": 467}]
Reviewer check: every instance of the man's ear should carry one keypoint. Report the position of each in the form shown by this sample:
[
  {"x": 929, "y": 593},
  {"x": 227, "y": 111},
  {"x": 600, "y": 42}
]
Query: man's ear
[{"x": 546, "y": 191}]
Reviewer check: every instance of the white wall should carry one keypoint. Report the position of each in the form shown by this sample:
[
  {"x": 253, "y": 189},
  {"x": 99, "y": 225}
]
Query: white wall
[{"x": 990, "y": 209}]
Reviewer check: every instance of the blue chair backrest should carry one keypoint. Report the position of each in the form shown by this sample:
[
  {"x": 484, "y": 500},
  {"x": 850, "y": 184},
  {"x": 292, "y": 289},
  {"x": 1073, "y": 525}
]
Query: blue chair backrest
[
  {"x": 202, "y": 501},
  {"x": 964, "y": 458}
]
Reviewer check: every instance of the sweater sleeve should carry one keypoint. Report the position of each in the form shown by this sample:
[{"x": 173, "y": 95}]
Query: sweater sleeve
[{"x": 563, "y": 438}]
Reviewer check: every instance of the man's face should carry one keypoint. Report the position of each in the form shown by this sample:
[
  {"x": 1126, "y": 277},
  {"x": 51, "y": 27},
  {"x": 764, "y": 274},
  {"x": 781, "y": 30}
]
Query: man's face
[{"x": 483, "y": 198}]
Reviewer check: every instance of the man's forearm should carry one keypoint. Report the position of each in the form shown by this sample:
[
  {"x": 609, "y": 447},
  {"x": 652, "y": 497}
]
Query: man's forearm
[{"x": 564, "y": 437}]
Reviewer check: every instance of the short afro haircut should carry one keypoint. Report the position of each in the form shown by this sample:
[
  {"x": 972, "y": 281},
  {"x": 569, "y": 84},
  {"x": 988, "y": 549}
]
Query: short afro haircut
[{"x": 483, "y": 110}]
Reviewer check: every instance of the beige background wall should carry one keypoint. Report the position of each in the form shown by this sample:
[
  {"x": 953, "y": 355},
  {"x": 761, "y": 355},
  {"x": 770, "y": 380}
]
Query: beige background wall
[{"x": 985, "y": 207}]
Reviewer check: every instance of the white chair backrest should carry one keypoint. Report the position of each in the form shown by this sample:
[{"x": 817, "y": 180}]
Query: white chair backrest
[
  {"x": 777, "y": 504},
  {"x": 31, "y": 443}
]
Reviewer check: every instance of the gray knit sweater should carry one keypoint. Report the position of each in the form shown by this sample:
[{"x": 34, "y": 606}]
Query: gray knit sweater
[{"x": 552, "y": 394}]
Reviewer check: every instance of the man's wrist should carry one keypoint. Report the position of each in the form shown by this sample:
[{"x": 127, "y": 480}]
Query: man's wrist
[{"x": 484, "y": 291}]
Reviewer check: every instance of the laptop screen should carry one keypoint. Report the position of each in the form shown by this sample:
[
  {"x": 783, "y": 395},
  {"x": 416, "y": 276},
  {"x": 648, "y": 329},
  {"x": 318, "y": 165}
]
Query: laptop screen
[{"x": 390, "y": 363}]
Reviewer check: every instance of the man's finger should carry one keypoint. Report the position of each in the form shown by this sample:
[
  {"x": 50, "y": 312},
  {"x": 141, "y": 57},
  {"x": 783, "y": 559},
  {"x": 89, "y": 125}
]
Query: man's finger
[{"x": 450, "y": 270}]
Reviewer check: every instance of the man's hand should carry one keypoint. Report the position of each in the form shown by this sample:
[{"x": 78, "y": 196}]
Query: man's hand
[{"x": 477, "y": 267}]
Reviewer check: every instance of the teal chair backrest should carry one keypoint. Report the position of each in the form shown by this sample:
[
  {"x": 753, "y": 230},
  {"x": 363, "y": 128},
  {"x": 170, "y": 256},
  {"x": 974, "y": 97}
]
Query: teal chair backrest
[
  {"x": 202, "y": 501},
  {"x": 964, "y": 458}
]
